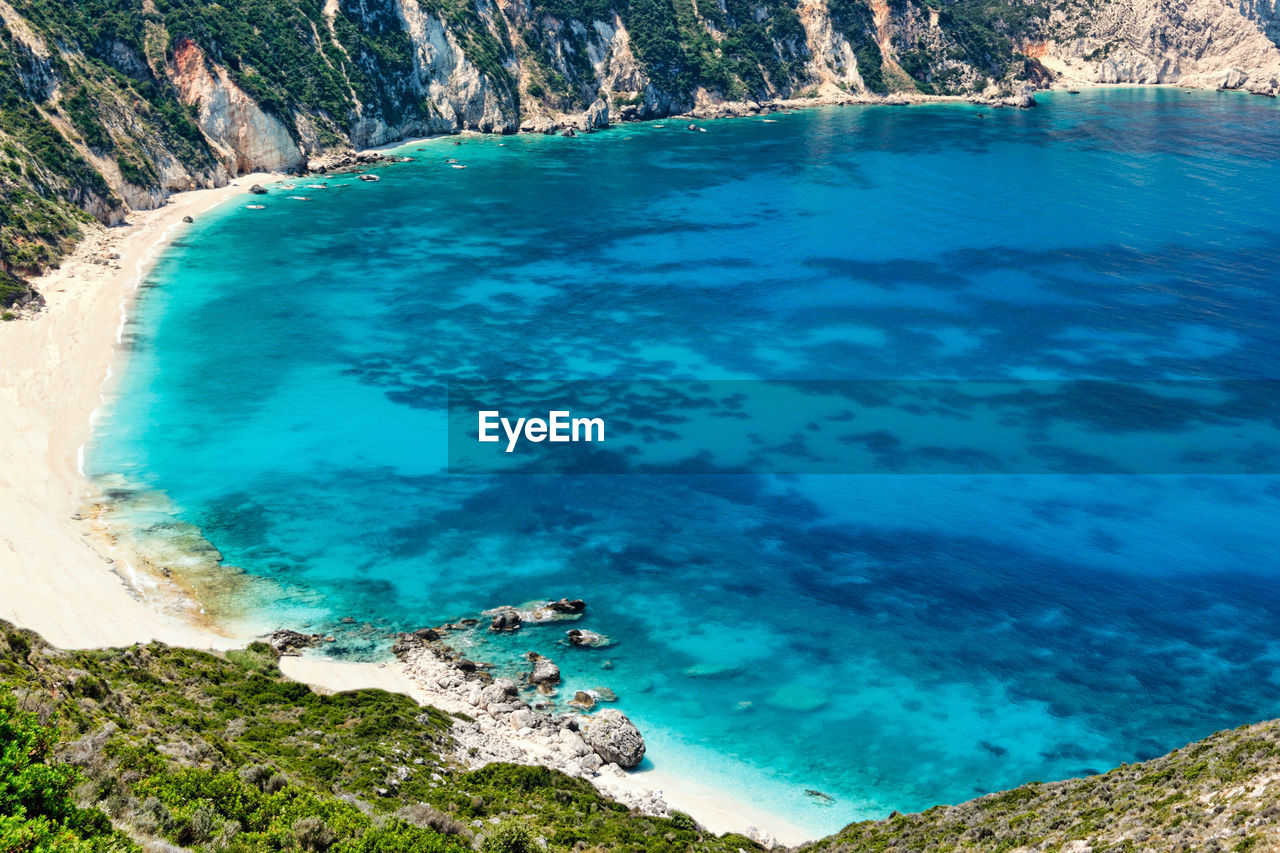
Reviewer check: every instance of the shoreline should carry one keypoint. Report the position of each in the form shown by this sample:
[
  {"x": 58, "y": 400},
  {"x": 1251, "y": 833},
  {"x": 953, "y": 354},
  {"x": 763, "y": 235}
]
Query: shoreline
[{"x": 56, "y": 371}]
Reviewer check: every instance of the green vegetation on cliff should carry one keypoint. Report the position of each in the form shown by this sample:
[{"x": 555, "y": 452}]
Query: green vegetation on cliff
[
  {"x": 106, "y": 105},
  {"x": 1219, "y": 794},
  {"x": 107, "y": 750},
  {"x": 221, "y": 752}
]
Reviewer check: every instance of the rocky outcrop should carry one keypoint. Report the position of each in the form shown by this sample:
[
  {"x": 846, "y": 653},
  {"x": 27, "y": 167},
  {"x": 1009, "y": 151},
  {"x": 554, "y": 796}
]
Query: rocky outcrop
[
  {"x": 1196, "y": 43},
  {"x": 246, "y": 137},
  {"x": 568, "y": 605},
  {"x": 587, "y": 639},
  {"x": 545, "y": 674},
  {"x": 505, "y": 619},
  {"x": 286, "y": 641},
  {"x": 614, "y": 738}
]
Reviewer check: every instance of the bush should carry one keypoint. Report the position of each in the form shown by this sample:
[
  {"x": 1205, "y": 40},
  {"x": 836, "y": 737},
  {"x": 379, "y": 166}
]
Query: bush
[
  {"x": 430, "y": 817},
  {"x": 510, "y": 836},
  {"x": 257, "y": 775},
  {"x": 36, "y": 809},
  {"x": 313, "y": 834}
]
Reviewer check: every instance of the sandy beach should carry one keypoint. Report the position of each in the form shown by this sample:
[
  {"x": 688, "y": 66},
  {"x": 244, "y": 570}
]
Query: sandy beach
[
  {"x": 54, "y": 371},
  {"x": 58, "y": 578}
]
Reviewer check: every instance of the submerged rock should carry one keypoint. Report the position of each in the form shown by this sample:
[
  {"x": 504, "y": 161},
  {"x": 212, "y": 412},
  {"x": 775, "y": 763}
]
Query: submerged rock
[
  {"x": 614, "y": 738},
  {"x": 369, "y": 178}
]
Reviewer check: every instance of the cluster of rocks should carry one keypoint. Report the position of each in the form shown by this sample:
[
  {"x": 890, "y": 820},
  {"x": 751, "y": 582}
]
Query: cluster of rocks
[
  {"x": 495, "y": 723},
  {"x": 1024, "y": 98},
  {"x": 29, "y": 301},
  {"x": 587, "y": 639},
  {"x": 505, "y": 727},
  {"x": 596, "y": 117},
  {"x": 339, "y": 162},
  {"x": 286, "y": 641},
  {"x": 545, "y": 675},
  {"x": 727, "y": 109},
  {"x": 503, "y": 722},
  {"x": 506, "y": 618},
  {"x": 516, "y": 721}
]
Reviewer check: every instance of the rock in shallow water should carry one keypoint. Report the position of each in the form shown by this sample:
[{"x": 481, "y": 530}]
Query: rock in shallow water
[
  {"x": 587, "y": 639},
  {"x": 614, "y": 738},
  {"x": 545, "y": 672},
  {"x": 505, "y": 619},
  {"x": 568, "y": 605}
]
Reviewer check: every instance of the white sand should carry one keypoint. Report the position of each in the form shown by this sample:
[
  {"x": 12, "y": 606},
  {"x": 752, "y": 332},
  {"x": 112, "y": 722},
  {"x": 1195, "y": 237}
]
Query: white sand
[
  {"x": 52, "y": 374},
  {"x": 59, "y": 579}
]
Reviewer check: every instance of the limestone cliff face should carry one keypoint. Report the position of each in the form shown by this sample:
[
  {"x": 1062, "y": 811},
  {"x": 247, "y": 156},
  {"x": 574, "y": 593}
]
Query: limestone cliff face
[
  {"x": 833, "y": 65},
  {"x": 114, "y": 111},
  {"x": 245, "y": 138},
  {"x": 1196, "y": 43},
  {"x": 460, "y": 97},
  {"x": 1264, "y": 13}
]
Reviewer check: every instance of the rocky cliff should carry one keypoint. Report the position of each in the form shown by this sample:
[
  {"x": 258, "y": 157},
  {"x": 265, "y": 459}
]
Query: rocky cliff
[{"x": 108, "y": 105}]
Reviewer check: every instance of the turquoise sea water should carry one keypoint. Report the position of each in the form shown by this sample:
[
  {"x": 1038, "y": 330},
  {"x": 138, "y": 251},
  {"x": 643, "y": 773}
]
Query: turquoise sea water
[{"x": 893, "y": 640}]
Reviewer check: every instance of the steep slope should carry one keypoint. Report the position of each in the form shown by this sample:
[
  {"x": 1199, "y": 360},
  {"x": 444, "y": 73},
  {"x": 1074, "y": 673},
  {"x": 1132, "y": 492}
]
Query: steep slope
[
  {"x": 1219, "y": 794},
  {"x": 110, "y": 105},
  {"x": 222, "y": 752}
]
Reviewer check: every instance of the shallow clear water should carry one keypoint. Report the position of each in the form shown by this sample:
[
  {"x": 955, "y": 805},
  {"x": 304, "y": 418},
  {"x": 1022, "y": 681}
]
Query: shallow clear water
[{"x": 894, "y": 641}]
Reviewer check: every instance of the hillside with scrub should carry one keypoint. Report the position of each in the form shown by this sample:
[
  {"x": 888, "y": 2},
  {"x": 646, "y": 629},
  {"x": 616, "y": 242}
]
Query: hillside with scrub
[{"x": 162, "y": 749}]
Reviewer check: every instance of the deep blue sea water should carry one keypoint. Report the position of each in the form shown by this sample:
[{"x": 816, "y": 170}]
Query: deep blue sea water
[{"x": 894, "y": 640}]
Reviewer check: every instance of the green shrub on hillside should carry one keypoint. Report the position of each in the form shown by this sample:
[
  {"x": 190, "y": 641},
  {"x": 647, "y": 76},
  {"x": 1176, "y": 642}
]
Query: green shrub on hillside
[
  {"x": 214, "y": 752},
  {"x": 37, "y": 810}
]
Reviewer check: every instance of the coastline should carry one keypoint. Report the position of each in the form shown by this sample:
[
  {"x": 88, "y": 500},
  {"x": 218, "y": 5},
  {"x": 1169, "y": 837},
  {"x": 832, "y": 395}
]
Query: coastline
[
  {"x": 651, "y": 788},
  {"x": 56, "y": 369}
]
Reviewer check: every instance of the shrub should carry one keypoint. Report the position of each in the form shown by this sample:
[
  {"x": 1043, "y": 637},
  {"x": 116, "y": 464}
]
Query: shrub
[
  {"x": 313, "y": 834},
  {"x": 430, "y": 817},
  {"x": 510, "y": 836},
  {"x": 36, "y": 808}
]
